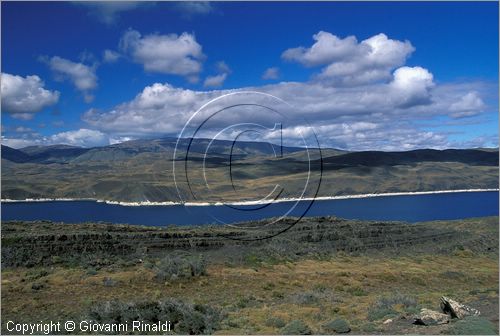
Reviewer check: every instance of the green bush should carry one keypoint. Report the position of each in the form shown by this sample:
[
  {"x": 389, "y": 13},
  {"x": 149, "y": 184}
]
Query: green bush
[
  {"x": 385, "y": 306},
  {"x": 174, "y": 266},
  {"x": 305, "y": 298},
  {"x": 473, "y": 325},
  {"x": 275, "y": 322},
  {"x": 36, "y": 274},
  {"x": 185, "y": 318},
  {"x": 296, "y": 327},
  {"x": 377, "y": 313},
  {"x": 338, "y": 326},
  {"x": 397, "y": 299},
  {"x": 357, "y": 291}
]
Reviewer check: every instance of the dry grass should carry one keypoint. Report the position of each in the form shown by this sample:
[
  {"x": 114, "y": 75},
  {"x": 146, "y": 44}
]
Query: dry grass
[{"x": 347, "y": 287}]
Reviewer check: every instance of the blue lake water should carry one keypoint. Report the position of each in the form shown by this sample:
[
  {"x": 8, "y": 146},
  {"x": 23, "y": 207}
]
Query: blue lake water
[{"x": 409, "y": 208}]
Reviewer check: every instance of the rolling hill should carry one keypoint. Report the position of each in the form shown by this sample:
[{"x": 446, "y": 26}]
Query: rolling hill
[{"x": 141, "y": 170}]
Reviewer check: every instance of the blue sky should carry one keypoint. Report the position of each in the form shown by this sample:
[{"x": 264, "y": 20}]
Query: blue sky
[{"x": 366, "y": 75}]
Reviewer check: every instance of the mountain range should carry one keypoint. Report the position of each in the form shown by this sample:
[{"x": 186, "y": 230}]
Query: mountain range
[{"x": 141, "y": 170}]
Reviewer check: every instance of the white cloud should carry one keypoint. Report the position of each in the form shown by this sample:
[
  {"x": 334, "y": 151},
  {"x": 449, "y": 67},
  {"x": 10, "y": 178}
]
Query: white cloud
[
  {"x": 82, "y": 137},
  {"x": 22, "y": 129},
  {"x": 190, "y": 8},
  {"x": 82, "y": 76},
  {"x": 328, "y": 48},
  {"x": 468, "y": 105},
  {"x": 20, "y": 142},
  {"x": 222, "y": 67},
  {"x": 412, "y": 86},
  {"x": 24, "y": 96},
  {"x": 377, "y": 115},
  {"x": 348, "y": 62},
  {"x": 271, "y": 73},
  {"x": 218, "y": 80},
  {"x": 215, "y": 81},
  {"x": 169, "y": 54},
  {"x": 110, "y": 56},
  {"x": 109, "y": 11}
]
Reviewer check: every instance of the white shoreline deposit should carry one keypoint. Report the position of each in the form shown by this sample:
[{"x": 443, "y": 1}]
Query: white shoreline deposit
[{"x": 322, "y": 198}]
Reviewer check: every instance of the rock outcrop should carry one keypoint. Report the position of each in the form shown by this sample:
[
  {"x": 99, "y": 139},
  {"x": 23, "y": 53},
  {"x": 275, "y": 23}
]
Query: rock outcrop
[
  {"x": 457, "y": 310},
  {"x": 431, "y": 317}
]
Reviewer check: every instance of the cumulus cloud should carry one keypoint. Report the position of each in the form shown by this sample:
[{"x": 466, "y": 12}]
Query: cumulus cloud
[
  {"x": 82, "y": 138},
  {"x": 370, "y": 116},
  {"x": 190, "y": 8},
  {"x": 412, "y": 86},
  {"x": 218, "y": 80},
  {"x": 168, "y": 54},
  {"x": 222, "y": 67},
  {"x": 468, "y": 105},
  {"x": 82, "y": 76},
  {"x": 108, "y": 12},
  {"x": 24, "y": 96},
  {"x": 215, "y": 81},
  {"x": 271, "y": 73},
  {"x": 20, "y": 142},
  {"x": 349, "y": 62},
  {"x": 22, "y": 129},
  {"x": 110, "y": 56}
]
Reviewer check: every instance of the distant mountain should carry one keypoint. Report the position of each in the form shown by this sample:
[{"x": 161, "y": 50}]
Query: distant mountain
[
  {"x": 129, "y": 149},
  {"x": 14, "y": 155},
  {"x": 53, "y": 154},
  {"x": 141, "y": 170},
  {"x": 376, "y": 158}
]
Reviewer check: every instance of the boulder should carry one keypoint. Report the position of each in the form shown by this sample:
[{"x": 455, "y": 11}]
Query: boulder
[
  {"x": 457, "y": 310},
  {"x": 431, "y": 317}
]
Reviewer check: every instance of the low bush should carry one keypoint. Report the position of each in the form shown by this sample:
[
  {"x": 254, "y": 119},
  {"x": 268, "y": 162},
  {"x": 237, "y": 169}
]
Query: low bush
[
  {"x": 275, "y": 322},
  {"x": 185, "y": 318},
  {"x": 305, "y": 298},
  {"x": 403, "y": 300},
  {"x": 377, "y": 313},
  {"x": 296, "y": 327},
  {"x": 473, "y": 325},
  {"x": 391, "y": 305},
  {"x": 338, "y": 326},
  {"x": 175, "y": 266},
  {"x": 36, "y": 274}
]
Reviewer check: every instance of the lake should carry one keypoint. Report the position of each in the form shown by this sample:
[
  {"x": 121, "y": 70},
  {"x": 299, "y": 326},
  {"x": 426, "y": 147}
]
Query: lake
[{"x": 409, "y": 208}]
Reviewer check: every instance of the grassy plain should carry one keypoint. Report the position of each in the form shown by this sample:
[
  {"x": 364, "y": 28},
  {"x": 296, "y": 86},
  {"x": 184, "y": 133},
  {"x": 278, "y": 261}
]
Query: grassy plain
[{"x": 363, "y": 277}]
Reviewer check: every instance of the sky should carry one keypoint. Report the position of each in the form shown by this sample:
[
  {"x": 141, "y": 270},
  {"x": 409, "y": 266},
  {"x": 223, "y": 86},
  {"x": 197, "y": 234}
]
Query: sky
[{"x": 363, "y": 76}]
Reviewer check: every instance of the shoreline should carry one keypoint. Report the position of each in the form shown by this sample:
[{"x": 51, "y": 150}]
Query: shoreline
[{"x": 243, "y": 203}]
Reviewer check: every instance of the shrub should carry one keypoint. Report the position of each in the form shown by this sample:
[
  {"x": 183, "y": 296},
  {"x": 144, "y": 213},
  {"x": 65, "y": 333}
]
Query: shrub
[
  {"x": 36, "y": 286},
  {"x": 390, "y": 301},
  {"x": 296, "y": 327},
  {"x": 91, "y": 271},
  {"x": 245, "y": 301},
  {"x": 473, "y": 325},
  {"x": 185, "y": 318},
  {"x": 108, "y": 282},
  {"x": 305, "y": 298},
  {"x": 174, "y": 266},
  {"x": 36, "y": 274},
  {"x": 338, "y": 326},
  {"x": 357, "y": 291},
  {"x": 389, "y": 306},
  {"x": 378, "y": 313},
  {"x": 275, "y": 322}
]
